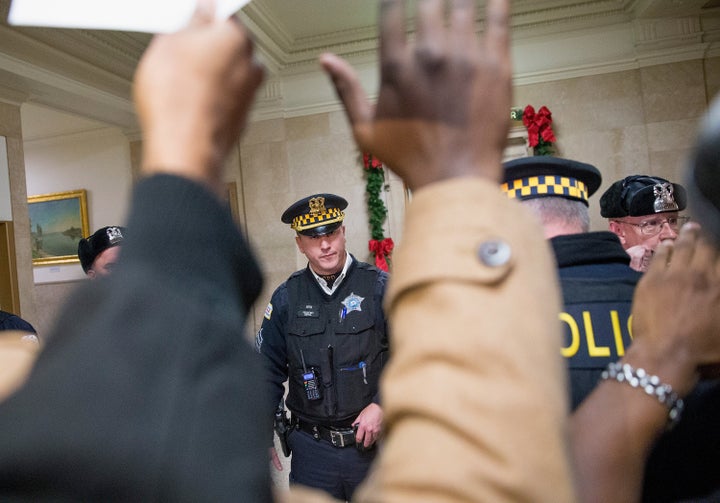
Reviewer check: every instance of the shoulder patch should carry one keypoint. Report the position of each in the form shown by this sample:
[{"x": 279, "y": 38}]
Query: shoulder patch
[{"x": 268, "y": 311}]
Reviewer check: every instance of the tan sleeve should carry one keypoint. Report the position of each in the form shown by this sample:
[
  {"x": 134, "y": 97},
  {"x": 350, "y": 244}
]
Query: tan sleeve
[{"x": 475, "y": 392}]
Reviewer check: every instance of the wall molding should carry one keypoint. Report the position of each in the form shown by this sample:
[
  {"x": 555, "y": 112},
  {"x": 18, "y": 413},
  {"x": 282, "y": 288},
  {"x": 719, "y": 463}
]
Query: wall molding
[{"x": 551, "y": 41}]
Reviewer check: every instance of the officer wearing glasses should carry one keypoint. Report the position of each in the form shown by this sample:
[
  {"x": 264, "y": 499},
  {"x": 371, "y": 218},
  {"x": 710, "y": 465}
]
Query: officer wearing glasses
[
  {"x": 598, "y": 286},
  {"x": 643, "y": 211}
]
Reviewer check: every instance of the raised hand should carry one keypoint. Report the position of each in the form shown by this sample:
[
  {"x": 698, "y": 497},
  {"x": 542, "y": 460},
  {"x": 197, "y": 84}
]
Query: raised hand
[
  {"x": 193, "y": 90},
  {"x": 442, "y": 109}
]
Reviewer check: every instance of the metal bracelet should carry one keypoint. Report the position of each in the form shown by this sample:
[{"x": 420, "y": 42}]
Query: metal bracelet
[{"x": 650, "y": 384}]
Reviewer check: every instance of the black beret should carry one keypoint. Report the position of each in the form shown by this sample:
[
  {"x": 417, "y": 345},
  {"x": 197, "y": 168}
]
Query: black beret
[
  {"x": 547, "y": 176},
  {"x": 316, "y": 215},
  {"x": 640, "y": 195},
  {"x": 104, "y": 238}
]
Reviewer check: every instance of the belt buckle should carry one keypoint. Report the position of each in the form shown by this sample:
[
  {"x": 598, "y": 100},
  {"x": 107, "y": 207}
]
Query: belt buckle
[{"x": 337, "y": 438}]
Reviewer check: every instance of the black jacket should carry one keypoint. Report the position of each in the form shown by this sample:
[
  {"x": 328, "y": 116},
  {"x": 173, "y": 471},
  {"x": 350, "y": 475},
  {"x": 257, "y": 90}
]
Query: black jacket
[
  {"x": 345, "y": 347},
  {"x": 147, "y": 389},
  {"x": 596, "y": 281}
]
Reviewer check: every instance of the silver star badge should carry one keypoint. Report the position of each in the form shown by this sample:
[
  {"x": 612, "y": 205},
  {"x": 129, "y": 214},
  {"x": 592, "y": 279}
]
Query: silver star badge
[{"x": 353, "y": 303}]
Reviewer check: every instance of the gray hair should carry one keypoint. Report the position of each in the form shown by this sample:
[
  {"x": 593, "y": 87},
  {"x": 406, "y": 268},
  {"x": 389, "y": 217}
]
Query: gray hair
[{"x": 559, "y": 209}]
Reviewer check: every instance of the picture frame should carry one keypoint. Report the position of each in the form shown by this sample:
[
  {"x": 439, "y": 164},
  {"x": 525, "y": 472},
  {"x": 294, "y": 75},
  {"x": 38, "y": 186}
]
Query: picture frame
[
  {"x": 232, "y": 200},
  {"x": 57, "y": 223}
]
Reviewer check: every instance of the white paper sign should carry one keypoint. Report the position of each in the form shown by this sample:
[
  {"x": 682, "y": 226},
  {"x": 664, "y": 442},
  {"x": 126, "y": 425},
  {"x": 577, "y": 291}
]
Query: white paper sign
[{"x": 151, "y": 16}]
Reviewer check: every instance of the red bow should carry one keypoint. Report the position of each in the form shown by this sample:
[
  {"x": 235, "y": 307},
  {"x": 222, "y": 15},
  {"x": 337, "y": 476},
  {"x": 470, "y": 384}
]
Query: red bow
[
  {"x": 539, "y": 125},
  {"x": 370, "y": 161},
  {"x": 381, "y": 248}
]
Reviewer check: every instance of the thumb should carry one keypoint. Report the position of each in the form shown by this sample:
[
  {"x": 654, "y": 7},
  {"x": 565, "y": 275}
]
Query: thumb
[{"x": 204, "y": 12}]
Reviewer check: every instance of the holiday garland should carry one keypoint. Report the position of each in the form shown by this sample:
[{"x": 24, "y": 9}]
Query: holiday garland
[
  {"x": 379, "y": 245},
  {"x": 539, "y": 127}
]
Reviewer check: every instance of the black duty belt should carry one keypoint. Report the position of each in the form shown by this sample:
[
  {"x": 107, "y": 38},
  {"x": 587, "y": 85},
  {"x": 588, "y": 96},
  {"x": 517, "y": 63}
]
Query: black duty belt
[{"x": 338, "y": 437}]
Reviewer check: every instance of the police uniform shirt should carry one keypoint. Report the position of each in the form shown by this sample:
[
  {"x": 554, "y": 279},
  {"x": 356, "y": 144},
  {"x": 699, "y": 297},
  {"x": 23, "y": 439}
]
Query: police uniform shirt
[{"x": 271, "y": 340}]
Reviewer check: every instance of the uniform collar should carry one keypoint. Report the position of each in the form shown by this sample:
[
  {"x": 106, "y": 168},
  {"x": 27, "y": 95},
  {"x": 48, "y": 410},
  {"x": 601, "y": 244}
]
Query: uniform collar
[
  {"x": 338, "y": 281},
  {"x": 589, "y": 248}
]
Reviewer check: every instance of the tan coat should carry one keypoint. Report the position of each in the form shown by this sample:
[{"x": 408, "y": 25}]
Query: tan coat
[{"x": 475, "y": 392}]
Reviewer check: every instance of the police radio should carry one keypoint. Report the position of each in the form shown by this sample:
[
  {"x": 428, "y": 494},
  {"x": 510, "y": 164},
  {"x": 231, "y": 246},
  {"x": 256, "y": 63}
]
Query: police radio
[{"x": 311, "y": 381}]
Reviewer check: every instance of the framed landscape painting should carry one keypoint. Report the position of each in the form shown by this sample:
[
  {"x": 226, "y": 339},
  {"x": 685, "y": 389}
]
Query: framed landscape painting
[{"x": 57, "y": 222}]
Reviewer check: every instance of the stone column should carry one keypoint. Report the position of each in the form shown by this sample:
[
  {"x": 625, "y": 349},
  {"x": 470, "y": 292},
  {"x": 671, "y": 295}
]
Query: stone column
[{"x": 11, "y": 129}]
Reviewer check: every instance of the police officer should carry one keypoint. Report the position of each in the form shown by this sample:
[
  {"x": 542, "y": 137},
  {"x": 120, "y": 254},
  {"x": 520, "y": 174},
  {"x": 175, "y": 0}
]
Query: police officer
[
  {"x": 324, "y": 331},
  {"x": 643, "y": 211},
  {"x": 597, "y": 282},
  {"x": 99, "y": 252},
  {"x": 597, "y": 285}
]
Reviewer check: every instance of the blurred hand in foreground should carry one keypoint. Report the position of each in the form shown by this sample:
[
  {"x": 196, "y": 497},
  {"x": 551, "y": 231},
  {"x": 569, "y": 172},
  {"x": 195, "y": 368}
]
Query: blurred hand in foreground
[
  {"x": 193, "y": 90},
  {"x": 444, "y": 100}
]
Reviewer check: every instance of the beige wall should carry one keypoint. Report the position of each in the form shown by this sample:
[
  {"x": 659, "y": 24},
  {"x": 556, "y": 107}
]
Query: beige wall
[
  {"x": 632, "y": 122},
  {"x": 96, "y": 160},
  {"x": 10, "y": 128},
  {"x": 635, "y": 121}
]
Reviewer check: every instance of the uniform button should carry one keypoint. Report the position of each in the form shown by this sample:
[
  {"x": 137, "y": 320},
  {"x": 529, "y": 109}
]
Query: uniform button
[{"x": 494, "y": 253}]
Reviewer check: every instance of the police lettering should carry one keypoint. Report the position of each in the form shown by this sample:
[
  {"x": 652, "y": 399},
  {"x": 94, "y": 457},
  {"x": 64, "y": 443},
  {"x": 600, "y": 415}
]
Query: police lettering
[{"x": 598, "y": 333}]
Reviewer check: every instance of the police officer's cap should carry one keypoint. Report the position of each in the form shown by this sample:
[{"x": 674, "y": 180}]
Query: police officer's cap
[
  {"x": 640, "y": 195},
  {"x": 316, "y": 215},
  {"x": 547, "y": 176},
  {"x": 103, "y": 238}
]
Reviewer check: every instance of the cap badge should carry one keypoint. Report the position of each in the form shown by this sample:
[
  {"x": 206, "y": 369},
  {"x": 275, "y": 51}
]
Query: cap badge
[
  {"x": 317, "y": 206},
  {"x": 114, "y": 235},
  {"x": 664, "y": 200}
]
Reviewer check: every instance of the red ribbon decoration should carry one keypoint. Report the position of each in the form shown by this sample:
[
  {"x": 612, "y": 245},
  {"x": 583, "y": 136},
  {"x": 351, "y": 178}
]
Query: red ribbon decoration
[
  {"x": 381, "y": 248},
  {"x": 539, "y": 125},
  {"x": 370, "y": 161}
]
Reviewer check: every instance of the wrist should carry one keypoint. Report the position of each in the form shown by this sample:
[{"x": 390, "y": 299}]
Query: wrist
[
  {"x": 673, "y": 365},
  {"x": 643, "y": 381},
  {"x": 195, "y": 163}
]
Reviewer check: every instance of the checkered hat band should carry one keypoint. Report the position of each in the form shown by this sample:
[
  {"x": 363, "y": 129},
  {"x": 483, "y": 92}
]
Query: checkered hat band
[
  {"x": 546, "y": 185},
  {"x": 307, "y": 221}
]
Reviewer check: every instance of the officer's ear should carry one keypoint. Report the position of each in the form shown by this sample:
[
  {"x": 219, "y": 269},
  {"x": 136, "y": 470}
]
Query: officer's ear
[
  {"x": 298, "y": 242},
  {"x": 617, "y": 228}
]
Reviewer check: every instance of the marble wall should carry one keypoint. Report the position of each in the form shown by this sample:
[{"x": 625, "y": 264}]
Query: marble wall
[{"x": 632, "y": 122}]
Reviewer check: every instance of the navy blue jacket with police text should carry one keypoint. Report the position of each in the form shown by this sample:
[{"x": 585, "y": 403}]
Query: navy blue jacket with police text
[{"x": 598, "y": 286}]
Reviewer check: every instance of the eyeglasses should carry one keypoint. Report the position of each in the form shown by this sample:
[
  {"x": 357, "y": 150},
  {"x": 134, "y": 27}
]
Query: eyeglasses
[{"x": 655, "y": 225}]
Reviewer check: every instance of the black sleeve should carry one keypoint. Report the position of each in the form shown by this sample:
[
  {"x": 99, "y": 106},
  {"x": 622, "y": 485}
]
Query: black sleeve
[
  {"x": 9, "y": 321},
  {"x": 381, "y": 320},
  {"x": 380, "y": 289},
  {"x": 147, "y": 389},
  {"x": 271, "y": 344}
]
